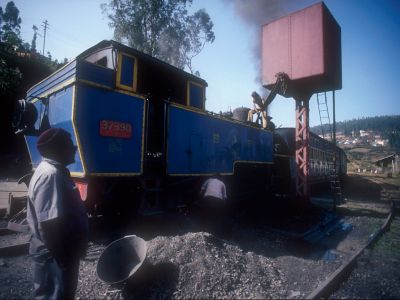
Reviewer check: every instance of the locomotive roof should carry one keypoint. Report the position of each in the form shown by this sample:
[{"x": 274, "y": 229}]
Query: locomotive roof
[{"x": 129, "y": 50}]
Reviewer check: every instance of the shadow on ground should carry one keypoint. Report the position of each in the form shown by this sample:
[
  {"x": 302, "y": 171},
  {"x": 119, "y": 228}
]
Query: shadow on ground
[
  {"x": 277, "y": 227},
  {"x": 152, "y": 282},
  {"x": 361, "y": 189}
]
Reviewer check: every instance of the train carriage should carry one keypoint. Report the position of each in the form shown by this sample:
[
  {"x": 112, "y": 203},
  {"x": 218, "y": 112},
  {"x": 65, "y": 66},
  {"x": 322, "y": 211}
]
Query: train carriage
[{"x": 325, "y": 159}]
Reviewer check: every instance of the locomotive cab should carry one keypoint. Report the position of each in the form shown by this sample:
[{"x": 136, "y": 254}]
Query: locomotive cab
[
  {"x": 113, "y": 91},
  {"x": 112, "y": 100}
]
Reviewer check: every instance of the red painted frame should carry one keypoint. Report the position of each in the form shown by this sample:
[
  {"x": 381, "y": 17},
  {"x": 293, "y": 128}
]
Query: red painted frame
[{"x": 302, "y": 138}]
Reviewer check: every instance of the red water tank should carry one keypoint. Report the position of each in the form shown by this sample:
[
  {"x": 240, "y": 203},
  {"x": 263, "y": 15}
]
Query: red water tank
[{"x": 306, "y": 45}]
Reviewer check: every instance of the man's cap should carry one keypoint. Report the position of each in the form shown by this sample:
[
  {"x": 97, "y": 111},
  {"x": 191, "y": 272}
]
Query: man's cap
[{"x": 53, "y": 138}]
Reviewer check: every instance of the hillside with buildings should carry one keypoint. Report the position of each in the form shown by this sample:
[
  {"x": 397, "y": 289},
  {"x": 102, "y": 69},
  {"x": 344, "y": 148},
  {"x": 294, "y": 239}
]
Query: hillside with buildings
[
  {"x": 372, "y": 145},
  {"x": 374, "y": 131}
]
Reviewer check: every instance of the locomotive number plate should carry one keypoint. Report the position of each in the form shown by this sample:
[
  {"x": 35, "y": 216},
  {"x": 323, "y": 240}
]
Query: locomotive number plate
[{"x": 115, "y": 129}]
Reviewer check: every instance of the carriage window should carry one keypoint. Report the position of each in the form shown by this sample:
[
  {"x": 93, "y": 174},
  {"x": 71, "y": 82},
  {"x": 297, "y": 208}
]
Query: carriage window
[
  {"x": 195, "y": 95},
  {"x": 127, "y": 72},
  {"x": 102, "y": 62},
  {"x": 102, "y": 58}
]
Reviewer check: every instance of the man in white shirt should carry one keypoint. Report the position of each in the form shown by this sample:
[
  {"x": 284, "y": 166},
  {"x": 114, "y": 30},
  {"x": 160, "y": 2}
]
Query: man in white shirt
[
  {"x": 57, "y": 219},
  {"x": 214, "y": 188},
  {"x": 214, "y": 205}
]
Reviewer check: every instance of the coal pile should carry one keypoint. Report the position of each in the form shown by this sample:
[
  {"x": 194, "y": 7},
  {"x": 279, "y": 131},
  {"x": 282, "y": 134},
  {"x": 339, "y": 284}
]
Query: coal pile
[{"x": 194, "y": 265}]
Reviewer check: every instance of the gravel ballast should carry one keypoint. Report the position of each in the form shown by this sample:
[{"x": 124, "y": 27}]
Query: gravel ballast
[
  {"x": 187, "y": 262},
  {"x": 253, "y": 263}
]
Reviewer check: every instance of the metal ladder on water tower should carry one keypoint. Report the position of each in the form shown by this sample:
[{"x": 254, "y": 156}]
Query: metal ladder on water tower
[
  {"x": 323, "y": 111},
  {"x": 334, "y": 179}
]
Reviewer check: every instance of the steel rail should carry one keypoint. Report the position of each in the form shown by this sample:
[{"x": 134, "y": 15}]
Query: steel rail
[
  {"x": 6, "y": 231},
  {"x": 337, "y": 277},
  {"x": 15, "y": 250}
]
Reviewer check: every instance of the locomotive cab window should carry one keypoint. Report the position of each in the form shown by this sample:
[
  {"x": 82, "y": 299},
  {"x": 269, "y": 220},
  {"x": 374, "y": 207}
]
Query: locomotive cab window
[
  {"x": 103, "y": 58},
  {"x": 195, "y": 95},
  {"x": 127, "y": 72}
]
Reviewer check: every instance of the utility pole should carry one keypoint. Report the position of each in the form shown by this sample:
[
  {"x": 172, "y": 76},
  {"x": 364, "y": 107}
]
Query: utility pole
[{"x": 45, "y": 25}]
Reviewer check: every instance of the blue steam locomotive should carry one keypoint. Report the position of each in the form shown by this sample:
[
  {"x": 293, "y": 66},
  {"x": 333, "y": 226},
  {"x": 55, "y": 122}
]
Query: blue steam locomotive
[{"x": 142, "y": 130}]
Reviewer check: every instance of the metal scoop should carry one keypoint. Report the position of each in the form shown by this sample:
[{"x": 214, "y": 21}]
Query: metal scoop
[{"x": 121, "y": 259}]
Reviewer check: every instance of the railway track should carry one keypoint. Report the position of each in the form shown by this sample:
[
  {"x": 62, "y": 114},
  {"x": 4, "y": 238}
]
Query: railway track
[
  {"x": 14, "y": 250},
  {"x": 326, "y": 288},
  {"x": 13, "y": 243}
]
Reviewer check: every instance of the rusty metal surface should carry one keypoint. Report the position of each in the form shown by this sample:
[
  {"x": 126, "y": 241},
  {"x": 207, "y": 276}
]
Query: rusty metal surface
[{"x": 306, "y": 45}]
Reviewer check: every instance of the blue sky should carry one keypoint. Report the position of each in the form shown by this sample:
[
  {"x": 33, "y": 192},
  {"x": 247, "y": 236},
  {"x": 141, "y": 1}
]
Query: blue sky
[{"x": 370, "y": 51}]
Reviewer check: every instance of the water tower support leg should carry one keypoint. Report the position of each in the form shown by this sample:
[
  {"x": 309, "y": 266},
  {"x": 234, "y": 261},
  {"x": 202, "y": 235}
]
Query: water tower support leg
[{"x": 302, "y": 147}]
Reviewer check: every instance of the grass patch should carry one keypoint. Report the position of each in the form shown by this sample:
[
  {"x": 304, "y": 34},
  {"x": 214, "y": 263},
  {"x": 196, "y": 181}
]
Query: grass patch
[
  {"x": 394, "y": 181},
  {"x": 389, "y": 243}
]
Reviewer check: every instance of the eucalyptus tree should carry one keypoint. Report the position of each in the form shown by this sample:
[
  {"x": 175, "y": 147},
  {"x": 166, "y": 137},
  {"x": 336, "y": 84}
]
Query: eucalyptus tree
[
  {"x": 10, "y": 25},
  {"x": 161, "y": 28}
]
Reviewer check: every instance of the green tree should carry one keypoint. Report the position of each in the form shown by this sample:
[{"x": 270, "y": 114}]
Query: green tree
[
  {"x": 10, "y": 78},
  {"x": 161, "y": 28},
  {"x": 10, "y": 24},
  {"x": 17, "y": 74}
]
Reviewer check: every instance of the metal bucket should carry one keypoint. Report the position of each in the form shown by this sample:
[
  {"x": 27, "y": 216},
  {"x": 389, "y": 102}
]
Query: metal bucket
[{"x": 121, "y": 259}]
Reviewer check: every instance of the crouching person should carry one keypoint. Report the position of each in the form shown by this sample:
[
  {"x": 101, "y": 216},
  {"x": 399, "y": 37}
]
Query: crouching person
[
  {"x": 57, "y": 219},
  {"x": 214, "y": 206}
]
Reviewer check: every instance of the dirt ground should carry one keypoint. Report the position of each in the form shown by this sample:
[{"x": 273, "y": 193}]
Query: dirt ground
[{"x": 254, "y": 261}]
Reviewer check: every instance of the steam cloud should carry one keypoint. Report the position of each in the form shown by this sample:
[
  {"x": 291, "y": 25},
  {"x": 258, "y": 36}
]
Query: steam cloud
[{"x": 255, "y": 13}]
